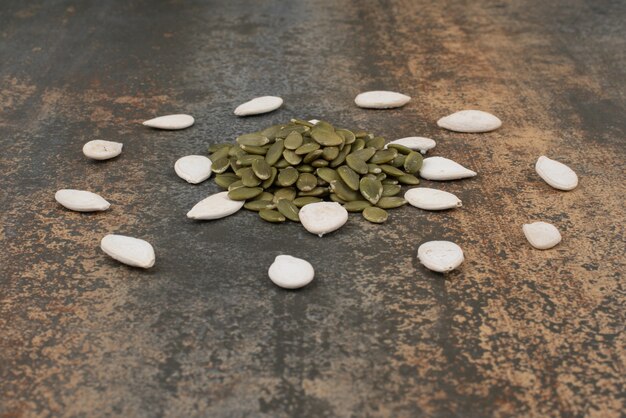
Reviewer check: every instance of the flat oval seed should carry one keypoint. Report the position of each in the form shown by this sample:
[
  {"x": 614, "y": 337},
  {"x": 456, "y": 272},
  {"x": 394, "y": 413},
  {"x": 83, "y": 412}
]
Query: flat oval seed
[
  {"x": 275, "y": 152},
  {"x": 323, "y": 217},
  {"x": 398, "y": 162},
  {"x": 272, "y": 131},
  {"x": 253, "y": 139},
  {"x": 409, "y": 179},
  {"x": 356, "y": 164},
  {"x": 81, "y": 200},
  {"x": 235, "y": 185},
  {"x": 335, "y": 198},
  {"x": 390, "y": 190},
  {"x": 440, "y": 256},
  {"x": 357, "y": 205},
  {"x": 341, "y": 157},
  {"x": 193, "y": 169},
  {"x": 128, "y": 250},
  {"x": 305, "y": 168},
  {"x": 220, "y": 166},
  {"x": 102, "y": 150},
  {"x": 287, "y": 176},
  {"x": 371, "y": 189},
  {"x": 376, "y": 142},
  {"x": 267, "y": 183},
  {"x": 325, "y": 137},
  {"x": 170, "y": 122},
  {"x": 348, "y": 136},
  {"x": 381, "y": 99},
  {"x": 470, "y": 121},
  {"x": 327, "y": 174},
  {"x": 264, "y": 196},
  {"x": 317, "y": 192},
  {"x": 290, "y": 272},
  {"x": 383, "y": 156},
  {"x": 291, "y": 157},
  {"x": 216, "y": 206},
  {"x": 305, "y": 200},
  {"x": 431, "y": 199},
  {"x": 306, "y": 182},
  {"x": 261, "y": 169},
  {"x": 254, "y": 150},
  {"x": 392, "y": 171},
  {"x": 359, "y": 144},
  {"x": 399, "y": 147},
  {"x": 286, "y": 193},
  {"x": 271, "y": 215},
  {"x": 293, "y": 140},
  {"x": 556, "y": 174},
  {"x": 257, "y": 205},
  {"x": 248, "y": 178},
  {"x": 349, "y": 177},
  {"x": 220, "y": 153},
  {"x": 365, "y": 153},
  {"x": 390, "y": 202},
  {"x": 542, "y": 235},
  {"x": 373, "y": 169},
  {"x": 319, "y": 163},
  {"x": 246, "y": 160},
  {"x": 330, "y": 153},
  {"x": 415, "y": 143},
  {"x": 440, "y": 168},
  {"x": 413, "y": 162},
  {"x": 226, "y": 179},
  {"x": 215, "y": 147},
  {"x": 375, "y": 215},
  {"x": 244, "y": 193},
  {"x": 282, "y": 163},
  {"x": 258, "y": 105},
  {"x": 312, "y": 156},
  {"x": 288, "y": 210},
  {"x": 343, "y": 191},
  {"x": 307, "y": 148}
]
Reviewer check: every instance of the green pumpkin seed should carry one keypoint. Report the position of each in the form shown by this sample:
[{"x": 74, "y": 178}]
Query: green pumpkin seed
[
  {"x": 398, "y": 162},
  {"x": 357, "y": 205},
  {"x": 391, "y": 170},
  {"x": 409, "y": 179},
  {"x": 337, "y": 199},
  {"x": 361, "y": 134},
  {"x": 358, "y": 145},
  {"x": 375, "y": 215},
  {"x": 330, "y": 153},
  {"x": 365, "y": 154},
  {"x": 349, "y": 177},
  {"x": 391, "y": 202},
  {"x": 371, "y": 189},
  {"x": 325, "y": 137},
  {"x": 213, "y": 148},
  {"x": 247, "y": 159},
  {"x": 255, "y": 139},
  {"x": 381, "y": 176},
  {"x": 220, "y": 153},
  {"x": 306, "y": 182},
  {"x": 377, "y": 142},
  {"x": 244, "y": 193},
  {"x": 348, "y": 136},
  {"x": 341, "y": 157},
  {"x": 271, "y": 132},
  {"x": 250, "y": 149},
  {"x": 270, "y": 180},
  {"x": 287, "y": 177},
  {"x": 235, "y": 185},
  {"x": 271, "y": 215},
  {"x": 413, "y": 162},
  {"x": 287, "y": 129},
  {"x": 291, "y": 157},
  {"x": 236, "y": 151},
  {"x": 312, "y": 156},
  {"x": 275, "y": 152},
  {"x": 356, "y": 164},
  {"x": 302, "y": 122},
  {"x": 327, "y": 174},
  {"x": 342, "y": 191},
  {"x": 287, "y": 193},
  {"x": 317, "y": 192},
  {"x": 220, "y": 166},
  {"x": 226, "y": 179},
  {"x": 293, "y": 140},
  {"x": 248, "y": 178},
  {"x": 307, "y": 148},
  {"x": 288, "y": 210},
  {"x": 265, "y": 196},
  {"x": 261, "y": 169},
  {"x": 306, "y": 200},
  {"x": 257, "y": 205},
  {"x": 325, "y": 125},
  {"x": 320, "y": 163},
  {"x": 389, "y": 181},
  {"x": 383, "y": 156},
  {"x": 282, "y": 163},
  {"x": 234, "y": 165},
  {"x": 391, "y": 190},
  {"x": 401, "y": 148},
  {"x": 373, "y": 169}
]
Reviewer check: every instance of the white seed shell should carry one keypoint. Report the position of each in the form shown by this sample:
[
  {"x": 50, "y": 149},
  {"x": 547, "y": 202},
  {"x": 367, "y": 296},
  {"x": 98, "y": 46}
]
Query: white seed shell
[
  {"x": 381, "y": 99},
  {"x": 432, "y": 199},
  {"x": 81, "y": 200},
  {"x": 439, "y": 168},
  {"x": 471, "y": 121},
  {"x": 323, "y": 217},
  {"x": 193, "y": 168},
  {"x": 290, "y": 272},
  {"x": 170, "y": 122},
  {"x": 259, "y": 105},
  {"x": 416, "y": 143},
  {"x": 556, "y": 174},
  {"x": 542, "y": 235},
  {"x": 215, "y": 206},
  {"x": 102, "y": 150},
  {"x": 314, "y": 121},
  {"x": 128, "y": 250},
  {"x": 440, "y": 256}
]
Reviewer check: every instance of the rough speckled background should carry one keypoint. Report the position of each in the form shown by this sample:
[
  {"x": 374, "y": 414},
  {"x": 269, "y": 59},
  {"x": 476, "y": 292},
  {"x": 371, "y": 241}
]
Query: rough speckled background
[{"x": 514, "y": 332}]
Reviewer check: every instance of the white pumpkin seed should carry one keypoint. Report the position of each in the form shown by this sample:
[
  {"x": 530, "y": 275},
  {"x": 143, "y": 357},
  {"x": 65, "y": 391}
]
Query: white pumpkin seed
[
  {"x": 470, "y": 121},
  {"x": 431, "y": 199},
  {"x": 81, "y": 200},
  {"x": 215, "y": 207},
  {"x": 128, "y": 250},
  {"x": 381, "y": 99},
  {"x": 193, "y": 168},
  {"x": 290, "y": 272},
  {"x": 259, "y": 105},
  {"x": 439, "y": 168},
  {"x": 170, "y": 122},
  {"x": 416, "y": 143},
  {"x": 323, "y": 217},
  {"x": 542, "y": 235},
  {"x": 556, "y": 174},
  {"x": 440, "y": 256},
  {"x": 102, "y": 150}
]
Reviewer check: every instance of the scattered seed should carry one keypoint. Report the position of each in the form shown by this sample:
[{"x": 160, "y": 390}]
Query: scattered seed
[
  {"x": 325, "y": 137},
  {"x": 556, "y": 174},
  {"x": 409, "y": 179},
  {"x": 375, "y": 215},
  {"x": 391, "y": 190},
  {"x": 259, "y": 105},
  {"x": 193, "y": 169},
  {"x": 432, "y": 199},
  {"x": 440, "y": 256},
  {"x": 271, "y": 215},
  {"x": 102, "y": 150},
  {"x": 216, "y": 206},
  {"x": 413, "y": 162},
  {"x": 284, "y": 193},
  {"x": 542, "y": 235},
  {"x": 128, "y": 250},
  {"x": 390, "y": 202},
  {"x": 226, "y": 179},
  {"x": 287, "y": 177},
  {"x": 371, "y": 189},
  {"x": 356, "y": 164},
  {"x": 254, "y": 139},
  {"x": 323, "y": 217},
  {"x": 170, "y": 122},
  {"x": 470, "y": 121},
  {"x": 439, "y": 168},
  {"x": 290, "y": 272},
  {"x": 81, "y": 200},
  {"x": 381, "y": 99},
  {"x": 262, "y": 169}
]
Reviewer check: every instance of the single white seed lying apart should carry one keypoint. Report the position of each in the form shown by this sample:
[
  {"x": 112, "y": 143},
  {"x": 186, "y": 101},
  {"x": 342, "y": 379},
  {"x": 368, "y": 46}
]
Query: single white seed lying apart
[
  {"x": 439, "y": 168},
  {"x": 416, "y": 143},
  {"x": 431, "y": 199},
  {"x": 471, "y": 121},
  {"x": 381, "y": 99},
  {"x": 102, "y": 150},
  {"x": 290, "y": 272},
  {"x": 323, "y": 217},
  {"x": 215, "y": 206},
  {"x": 440, "y": 256},
  {"x": 541, "y": 235},
  {"x": 128, "y": 250},
  {"x": 193, "y": 168},
  {"x": 259, "y": 105},
  {"x": 170, "y": 122},
  {"x": 81, "y": 200},
  {"x": 556, "y": 174}
]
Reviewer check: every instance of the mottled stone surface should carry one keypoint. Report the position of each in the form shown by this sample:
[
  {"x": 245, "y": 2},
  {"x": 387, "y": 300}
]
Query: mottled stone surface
[{"x": 514, "y": 332}]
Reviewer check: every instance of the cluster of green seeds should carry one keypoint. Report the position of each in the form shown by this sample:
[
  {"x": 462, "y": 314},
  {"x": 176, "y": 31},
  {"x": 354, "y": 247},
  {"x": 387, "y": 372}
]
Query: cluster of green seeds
[{"x": 282, "y": 168}]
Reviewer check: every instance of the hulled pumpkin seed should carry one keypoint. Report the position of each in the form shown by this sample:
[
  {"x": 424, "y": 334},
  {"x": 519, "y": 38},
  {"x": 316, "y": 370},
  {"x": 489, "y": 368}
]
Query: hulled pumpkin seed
[
  {"x": 220, "y": 153},
  {"x": 357, "y": 205},
  {"x": 248, "y": 178},
  {"x": 327, "y": 174},
  {"x": 391, "y": 202},
  {"x": 261, "y": 169},
  {"x": 330, "y": 153},
  {"x": 271, "y": 215},
  {"x": 307, "y": 148},
  {"x": 391, "y": 190},
  {"x": 288, "y": 210},
  {"x": 413, "y": 162},
  {"x": 250, "y": 149},
  {"x": 221, "y": 165},
  {"x": 317, "y": 192},
  {"x": 271, "y": 131},
  {"x": 254, "y": 139},
  {"x": 257, "y": 205},
  {"x": 371, "y": 189},
  {"x": 286, "y": 193},
  {"x": 270, "y": 180},
  {"x": 391, "y": 170},
  {"x": 293, "y": 140},
  {"x": 247, "y": 159},
  {"x": 365, "y": 153},
  {"x": 319, "y": 163},
  {"x": 275, "y": 152},
  {"x": 244, "y": 193},
  {"x": 356, "y": 164},
  {"x": 376, "y": 142},
  {"x": 358, "y": 144},
  {"x": 312, "y": 156},
  {"x": 408, "y": 179},
  {"x": 389, "y": 181},
  {"x": 302, "y": 122},
  {"x": 306, "y": 182},
  {"x": 235, "y": 151},
  {"x": 342, "y": 191},
  {"x": 348, "y": 136},
  {"x": 325, "y": 137},
  {"x": 226, "y": 179},
  {"x": 305, "y": 200},
  {"x": 287, "y": 177},
  {"x": 383, "y": 156},
  {"x": 306, "y": 168},
  {"x": 291, "y": 157},
  {"x": 361, "y": 134},
  {"x": 213, "y": 148},
  {"x": 398, "y": 162},
  {"x": 375, "y": 215},
  {"x": 373, "y": 169},
  {"x": 401, "y": 148},
  {"x": 349, "y": 176},
  {"x": 337, "y": 199},
  {"x": 341, "y": 157},
  {"x": 264, "y": 196}
]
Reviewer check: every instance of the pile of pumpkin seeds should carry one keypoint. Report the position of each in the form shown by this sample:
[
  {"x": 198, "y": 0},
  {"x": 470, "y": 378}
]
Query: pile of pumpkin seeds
[{"x": 281, "y": 168}]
